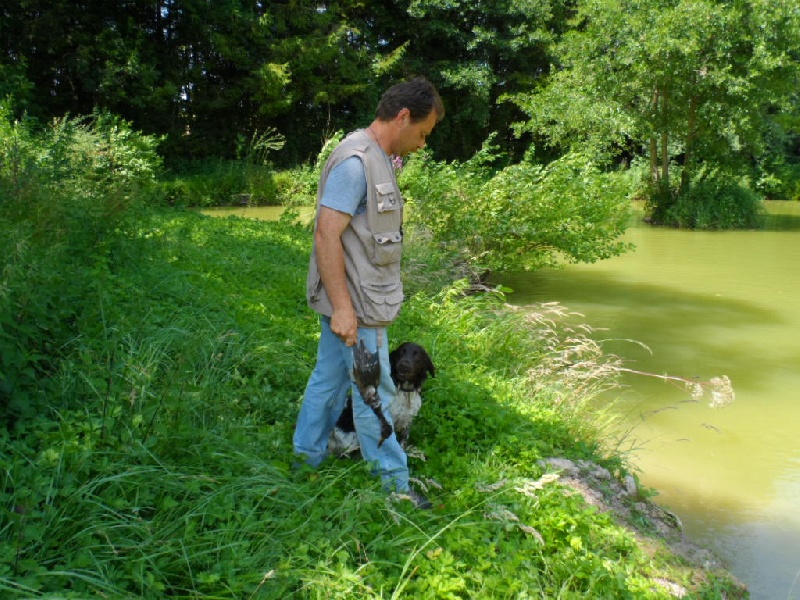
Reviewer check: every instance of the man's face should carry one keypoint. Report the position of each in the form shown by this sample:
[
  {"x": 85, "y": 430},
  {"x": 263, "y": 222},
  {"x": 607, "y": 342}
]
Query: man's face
[{"x": 412, "y": 136}]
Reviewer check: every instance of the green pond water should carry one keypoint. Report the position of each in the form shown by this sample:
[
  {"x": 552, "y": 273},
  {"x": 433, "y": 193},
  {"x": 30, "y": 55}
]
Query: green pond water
[
  {"x": 707, "y": 304},
  {"x": 704, "y": 304}
]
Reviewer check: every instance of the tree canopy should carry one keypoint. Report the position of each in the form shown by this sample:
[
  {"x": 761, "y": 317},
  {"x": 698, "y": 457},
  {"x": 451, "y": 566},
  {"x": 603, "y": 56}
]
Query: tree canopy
[
  {"x": 207, "y": 73},
  {"x": 681, "y": 82}
]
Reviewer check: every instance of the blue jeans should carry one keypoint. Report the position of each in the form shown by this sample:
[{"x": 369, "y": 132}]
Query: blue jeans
[{"x": 325, "y": 398}]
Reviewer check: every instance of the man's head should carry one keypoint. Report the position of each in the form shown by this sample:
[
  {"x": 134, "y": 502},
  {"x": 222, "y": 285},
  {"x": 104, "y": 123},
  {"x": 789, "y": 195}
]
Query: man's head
[
  {"x": 409, "y": 111},
  {"x": 417, "y": 95}
]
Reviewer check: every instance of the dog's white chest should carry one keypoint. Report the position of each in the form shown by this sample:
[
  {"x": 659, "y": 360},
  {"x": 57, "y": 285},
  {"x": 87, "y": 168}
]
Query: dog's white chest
[{"x": 404, "y": 408}]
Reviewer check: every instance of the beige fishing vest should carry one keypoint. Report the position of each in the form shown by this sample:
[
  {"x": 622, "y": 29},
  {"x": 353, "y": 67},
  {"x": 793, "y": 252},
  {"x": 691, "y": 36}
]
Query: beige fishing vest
[{"x": 372, "y": 243}]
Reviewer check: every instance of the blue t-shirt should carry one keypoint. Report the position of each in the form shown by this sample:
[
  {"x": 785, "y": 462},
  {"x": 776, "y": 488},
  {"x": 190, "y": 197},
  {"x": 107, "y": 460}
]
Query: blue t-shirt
[{"x": 346, "y": 187}]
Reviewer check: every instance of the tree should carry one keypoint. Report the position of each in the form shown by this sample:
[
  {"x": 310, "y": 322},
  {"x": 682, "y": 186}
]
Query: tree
[
  {"x": 476, "y": 51},
  {"x": 680, "y": 81},
  {"x": 333, "y": 60},
  {"x": 191, "y": 69}
]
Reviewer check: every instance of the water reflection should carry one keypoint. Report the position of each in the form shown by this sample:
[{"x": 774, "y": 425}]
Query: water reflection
[
  {"x": 262, "y": 213},
  {"x": 782, "y": 221},
  {"x": 706, "y": 304}
]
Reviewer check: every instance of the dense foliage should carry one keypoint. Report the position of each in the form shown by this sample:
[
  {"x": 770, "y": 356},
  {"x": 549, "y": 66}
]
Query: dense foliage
[
  {"x": 683, "y": 85},
  {"x": 65, "y": 194},
  {"x": 689, "y": 85},
  {"x": 209, "y": 74},
  {"x": 152, "y": 365},
  {"x": 521, "y": 217}
]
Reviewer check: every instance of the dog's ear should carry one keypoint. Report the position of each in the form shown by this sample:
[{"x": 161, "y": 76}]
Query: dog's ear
[{"x": 429, "y": 364}]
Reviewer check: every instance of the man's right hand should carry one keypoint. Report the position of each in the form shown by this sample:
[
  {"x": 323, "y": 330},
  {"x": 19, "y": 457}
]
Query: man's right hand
[{"x": 344, "y": 325}]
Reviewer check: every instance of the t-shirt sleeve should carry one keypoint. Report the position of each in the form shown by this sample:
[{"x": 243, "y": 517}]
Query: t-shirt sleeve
[{"x": 346, "y": 187}]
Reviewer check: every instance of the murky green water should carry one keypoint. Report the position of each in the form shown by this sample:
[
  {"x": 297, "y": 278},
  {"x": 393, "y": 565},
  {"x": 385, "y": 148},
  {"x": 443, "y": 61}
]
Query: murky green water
[
  {"x": 708, "y": 304},
  {"x": 265, "y": 213}
]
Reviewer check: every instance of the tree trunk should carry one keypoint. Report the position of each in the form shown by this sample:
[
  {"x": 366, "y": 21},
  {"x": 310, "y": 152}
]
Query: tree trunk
[
  {"x": 654, "y": 144},
  {"x": 665, "y": 141},
  {"x": 689, "y": 143}
]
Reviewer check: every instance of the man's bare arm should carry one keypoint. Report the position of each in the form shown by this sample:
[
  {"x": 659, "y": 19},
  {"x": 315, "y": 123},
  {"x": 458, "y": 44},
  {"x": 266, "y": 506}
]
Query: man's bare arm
[{"x": 330, "y": 261}]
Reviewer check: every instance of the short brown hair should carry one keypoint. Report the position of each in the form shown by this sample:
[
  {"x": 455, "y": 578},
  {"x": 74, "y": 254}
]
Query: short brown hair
[{"x": 417, "y": 95}]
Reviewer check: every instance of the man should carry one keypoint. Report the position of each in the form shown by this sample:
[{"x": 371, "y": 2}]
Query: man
[{"x": 354, "y": 276}]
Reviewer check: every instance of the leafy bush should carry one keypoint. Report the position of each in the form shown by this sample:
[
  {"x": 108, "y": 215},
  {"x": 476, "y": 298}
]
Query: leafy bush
[
  {"x": 296, "y": 187},
  {"x": 78, "y": 177},
  {"x": 67, "y": 194},
  {"x": 782, "y": 182},
  {"x": 219, "y": 182},
  {"x": 208, "y": 182},
  {"x": 248, "y": 180},
  {"x": 522, "y": 217},
  {"x": 713, "y": 200}
]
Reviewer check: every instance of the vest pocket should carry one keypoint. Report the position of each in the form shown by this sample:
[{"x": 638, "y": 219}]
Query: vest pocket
[
  {"x": 382, "y": 302},
  {"x": 388, "y": 248},
  {"x": 388, "y": 199}
]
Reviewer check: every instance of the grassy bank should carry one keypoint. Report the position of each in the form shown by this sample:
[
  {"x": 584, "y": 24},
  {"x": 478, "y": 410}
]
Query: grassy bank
[
  {"x": 152, "y": 363},
  {"x": 157, "y": 460}
]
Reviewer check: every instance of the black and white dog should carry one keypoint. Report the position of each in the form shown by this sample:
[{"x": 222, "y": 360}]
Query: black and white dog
[{"x": 410, "y": 367}]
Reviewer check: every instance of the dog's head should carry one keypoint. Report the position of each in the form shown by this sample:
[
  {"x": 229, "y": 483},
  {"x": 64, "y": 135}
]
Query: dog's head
[{"x": 411, "y": 365}]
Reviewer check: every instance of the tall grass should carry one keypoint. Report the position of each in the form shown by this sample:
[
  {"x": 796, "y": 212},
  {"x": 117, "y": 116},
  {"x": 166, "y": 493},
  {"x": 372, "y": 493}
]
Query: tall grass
[{"x": 149, "y": 411}]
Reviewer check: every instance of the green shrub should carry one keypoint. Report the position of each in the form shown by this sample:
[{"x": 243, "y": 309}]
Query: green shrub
[
  {"x": 68, "y": 194},
  {"x": 782, "y": 183},
  {"x": 296, "y": 187},
  {"x": 76, "y": 179},
  {"x": 522, "y": 217},
  {"x": 207, "y": 182},
  {"x": 713, "y": 200},
  {"x": 219, "y": 182}
]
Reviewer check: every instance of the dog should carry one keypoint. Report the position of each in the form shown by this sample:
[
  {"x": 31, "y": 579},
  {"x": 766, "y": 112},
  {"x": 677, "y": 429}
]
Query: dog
[{"x": 410, "y": 367}]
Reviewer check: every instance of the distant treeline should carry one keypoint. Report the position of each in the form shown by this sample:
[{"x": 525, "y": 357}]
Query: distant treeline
[
  {"x": 672, "y": 82},
  {"x": 210, "y": 74}
]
